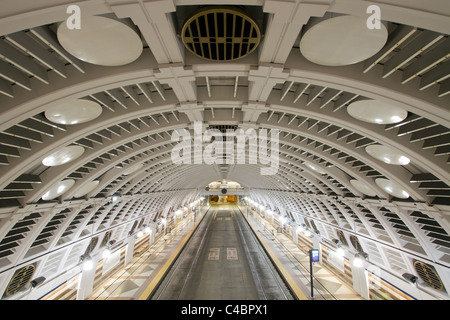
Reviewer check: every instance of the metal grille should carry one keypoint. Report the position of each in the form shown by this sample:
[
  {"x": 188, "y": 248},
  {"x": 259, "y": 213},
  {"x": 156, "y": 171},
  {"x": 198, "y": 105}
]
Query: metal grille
[
  {"x": 342, "y": 237},
  {"x": 429, "y": 275},
  {"x": 220, "y": 34},
  {"x": 92, "y": 245},
  {"x": 19, "y": 280},
  {"x": 355, "y": 243}
]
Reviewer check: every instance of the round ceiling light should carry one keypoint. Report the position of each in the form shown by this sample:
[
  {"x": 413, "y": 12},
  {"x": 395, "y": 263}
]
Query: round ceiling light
[
  {"x": 387, "y": 155},
  {"x": 74, "y": 112},
  {"x": 132, "y": 169},
  {"x": 63, "y": 156},
  {"x": 314, "y": 167},
  {"x": 392, "y": 188},
  {"x": 342, "y": 40},
  {"x": 102, "y": 41},
  {"x": 375, "y": 111},
  {"x": 363, "y": 188},
  {"x": 220, "y": 34},
  {"x": 58, "y": 189},
  {"x": 88, "y": 187}
]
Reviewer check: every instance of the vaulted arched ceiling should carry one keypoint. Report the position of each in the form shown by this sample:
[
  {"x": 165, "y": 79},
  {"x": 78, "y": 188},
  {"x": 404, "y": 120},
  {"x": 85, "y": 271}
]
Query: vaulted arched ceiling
[{"x": 275, "y": 87}]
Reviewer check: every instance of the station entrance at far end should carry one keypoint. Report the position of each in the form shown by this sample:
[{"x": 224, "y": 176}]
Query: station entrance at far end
[{"x": 223, "y": 199}]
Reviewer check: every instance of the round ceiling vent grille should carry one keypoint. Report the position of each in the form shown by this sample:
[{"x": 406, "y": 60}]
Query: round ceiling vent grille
[
  {"x": 429, "y": 275},
  {"x": 220, "y": 34},
  {"x": 20, "y": 278}
]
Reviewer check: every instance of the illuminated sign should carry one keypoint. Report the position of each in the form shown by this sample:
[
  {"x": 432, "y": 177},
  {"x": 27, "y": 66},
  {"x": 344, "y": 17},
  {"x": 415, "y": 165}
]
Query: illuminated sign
[{"x": 314, "y": 255}]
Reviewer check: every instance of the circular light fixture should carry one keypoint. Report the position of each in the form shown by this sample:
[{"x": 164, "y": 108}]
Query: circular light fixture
[
  {"x": 314, "y": 167},
  {"x": 63, "y": 156},
  {"x": 88, "y": 187},
  {"x": 363, "y": 188},
  {"x": 375, "y": 111},
  {"x": 58, "y": 189},
  {"x": 132, "y": 169},
  {"x": 102, "y": 41},
  {"x": 387, "y": 155},
  {"x": 220, "y": 34},
  {"x": 392, "y": 188},
  {"x": 74, "y": 112},
  {"x": 342, "y": 40}
]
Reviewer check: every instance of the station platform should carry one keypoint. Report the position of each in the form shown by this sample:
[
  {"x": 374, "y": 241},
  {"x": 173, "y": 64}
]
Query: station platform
[
  {"x": 295, "y": 262},
  {"x": 132, "y": 282}
]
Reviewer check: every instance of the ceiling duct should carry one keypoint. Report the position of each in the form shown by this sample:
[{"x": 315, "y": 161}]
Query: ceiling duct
[{"x": 221, "y": 33}]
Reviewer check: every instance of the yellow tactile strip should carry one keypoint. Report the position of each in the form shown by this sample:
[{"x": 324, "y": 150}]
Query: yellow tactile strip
[
  {"x": 295, "y": 289},
  {"x": 159, "y": 276}
]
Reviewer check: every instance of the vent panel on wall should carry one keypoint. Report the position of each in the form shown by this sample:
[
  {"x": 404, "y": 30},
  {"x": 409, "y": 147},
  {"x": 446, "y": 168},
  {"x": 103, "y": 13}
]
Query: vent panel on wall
[
  {"x": 19, "y": 280},
  {"x": 428, "y": 275}
]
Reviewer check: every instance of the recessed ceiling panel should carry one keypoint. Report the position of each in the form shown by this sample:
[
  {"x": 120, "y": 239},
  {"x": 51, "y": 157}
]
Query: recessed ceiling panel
[
  {"x": 314, "y": 167},
  {"x": 132, "y": 169},
  {"x": 387, "y": 155},
  {"x": 58, "y": 189},
  {"x": 74, "y": 112},
  {"x": 342, "y": 40},
  {"x": 63, "y": 156},
  {"x": 375, "y": 111},
  {"x": 392, "y": 188},
  {"x": 363, "y": 188},
  {"x": 86, "y": 188},
  {"x": 102, "y": 41}
]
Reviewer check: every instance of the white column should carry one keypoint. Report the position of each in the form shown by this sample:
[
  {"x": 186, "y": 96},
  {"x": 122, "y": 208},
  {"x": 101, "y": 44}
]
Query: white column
[
  {"x": 86, "y": 281},
  {"x": 129, "y": 250},
  {"x": 151, "y": 238},
  {"x": 360, "y": 281}
]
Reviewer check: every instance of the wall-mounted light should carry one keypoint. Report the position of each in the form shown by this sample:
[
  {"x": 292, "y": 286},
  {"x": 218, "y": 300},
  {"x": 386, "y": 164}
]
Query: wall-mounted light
[
  {"x": 107, "y": 252},
  {"x": 114, "y": 197},
  {"x": 36, "y": 282},
  {"x": 410, "y": 277},
  {"x": 358, "y": 259},
  {"x": 87, "y": 262}
]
